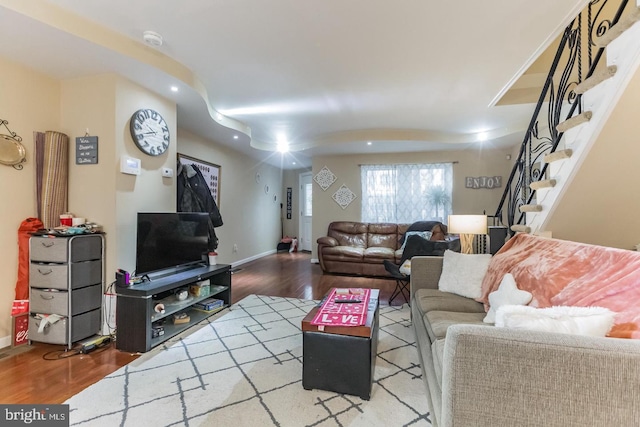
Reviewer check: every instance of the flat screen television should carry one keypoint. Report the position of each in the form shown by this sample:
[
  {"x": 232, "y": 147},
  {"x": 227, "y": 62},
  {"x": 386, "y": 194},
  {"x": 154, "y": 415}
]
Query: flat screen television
[{"x": 171, "y": 240}]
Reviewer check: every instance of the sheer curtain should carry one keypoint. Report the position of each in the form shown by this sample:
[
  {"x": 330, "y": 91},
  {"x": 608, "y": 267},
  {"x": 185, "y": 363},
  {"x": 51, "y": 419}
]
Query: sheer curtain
[{"x": 406, "y": 193}]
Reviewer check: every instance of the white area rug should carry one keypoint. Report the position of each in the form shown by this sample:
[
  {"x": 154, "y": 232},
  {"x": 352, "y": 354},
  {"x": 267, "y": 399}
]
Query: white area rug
[{"x": 245, "y": 369}]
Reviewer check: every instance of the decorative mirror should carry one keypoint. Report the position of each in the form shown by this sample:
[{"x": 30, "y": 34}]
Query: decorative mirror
[{"x": 12, "y": 152}]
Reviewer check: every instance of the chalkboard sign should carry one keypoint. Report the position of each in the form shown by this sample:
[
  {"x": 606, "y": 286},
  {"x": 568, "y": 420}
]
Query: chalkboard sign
[{"x": 87, "y": 150}]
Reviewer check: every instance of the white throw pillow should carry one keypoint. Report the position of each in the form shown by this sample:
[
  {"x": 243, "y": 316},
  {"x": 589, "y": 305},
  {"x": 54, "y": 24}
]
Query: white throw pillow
[
  {"x": 462, "y": 274},
  {"x": 592, "y": 321},
  {"x": 507, "y": 294}
]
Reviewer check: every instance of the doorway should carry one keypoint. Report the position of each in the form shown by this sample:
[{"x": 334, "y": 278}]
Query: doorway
[{"x": 306, "y": 203}]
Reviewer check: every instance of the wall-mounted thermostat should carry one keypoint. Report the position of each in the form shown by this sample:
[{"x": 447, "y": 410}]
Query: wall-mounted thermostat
[{"x": 130, "y": 165}]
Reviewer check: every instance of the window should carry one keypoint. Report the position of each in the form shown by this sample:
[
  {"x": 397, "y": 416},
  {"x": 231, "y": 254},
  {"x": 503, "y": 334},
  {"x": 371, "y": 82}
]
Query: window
[{"x": 406, "y": 193}]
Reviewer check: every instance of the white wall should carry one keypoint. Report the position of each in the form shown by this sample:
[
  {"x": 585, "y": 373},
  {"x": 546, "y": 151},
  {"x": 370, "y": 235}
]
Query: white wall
[
  {"x": 30, "y": 102},
  {"x": 251, "y": 216}
]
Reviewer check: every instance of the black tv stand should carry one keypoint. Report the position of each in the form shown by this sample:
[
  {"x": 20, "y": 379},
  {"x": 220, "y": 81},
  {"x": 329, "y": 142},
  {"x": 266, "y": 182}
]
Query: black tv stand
[{"x": 135, "y": 314}]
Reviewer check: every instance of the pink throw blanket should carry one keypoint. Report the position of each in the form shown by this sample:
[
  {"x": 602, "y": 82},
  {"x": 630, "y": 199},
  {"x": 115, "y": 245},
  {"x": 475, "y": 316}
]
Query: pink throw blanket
[{"x": 560, "y": 272}]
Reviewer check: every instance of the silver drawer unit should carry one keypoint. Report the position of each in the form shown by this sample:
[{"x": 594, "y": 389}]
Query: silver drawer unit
[
  {"x": 86, "y": 324},
  {"x": 57, "y": 302},
  {"x": 66, "y": 278},
  {"x": 61, "y": 249}
]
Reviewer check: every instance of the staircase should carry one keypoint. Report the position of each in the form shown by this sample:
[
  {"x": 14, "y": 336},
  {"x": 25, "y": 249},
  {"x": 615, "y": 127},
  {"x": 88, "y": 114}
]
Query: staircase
[{"x": 547, "y": 164}]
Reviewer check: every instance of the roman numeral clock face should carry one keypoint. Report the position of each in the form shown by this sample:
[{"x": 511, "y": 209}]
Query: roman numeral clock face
[{"x": 149, "y": 131}]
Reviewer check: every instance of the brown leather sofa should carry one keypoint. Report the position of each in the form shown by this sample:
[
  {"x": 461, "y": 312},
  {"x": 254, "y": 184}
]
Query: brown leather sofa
[{"x": 360, "y": 248}]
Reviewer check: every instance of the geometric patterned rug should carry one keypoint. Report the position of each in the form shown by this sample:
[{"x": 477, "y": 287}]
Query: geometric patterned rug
[{"x": 244, "y": 368}]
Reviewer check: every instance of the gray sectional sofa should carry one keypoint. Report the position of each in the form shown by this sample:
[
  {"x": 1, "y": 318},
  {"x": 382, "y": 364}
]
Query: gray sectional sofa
[{"x": 479, "y": 375}]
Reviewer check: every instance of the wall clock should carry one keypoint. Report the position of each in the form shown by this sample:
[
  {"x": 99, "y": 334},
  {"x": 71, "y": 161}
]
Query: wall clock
[{"x": 149, "y": 131}]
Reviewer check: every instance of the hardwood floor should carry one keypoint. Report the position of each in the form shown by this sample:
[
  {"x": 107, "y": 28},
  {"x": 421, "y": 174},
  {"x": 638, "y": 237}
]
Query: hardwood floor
[{"x": 48, "y": 374}]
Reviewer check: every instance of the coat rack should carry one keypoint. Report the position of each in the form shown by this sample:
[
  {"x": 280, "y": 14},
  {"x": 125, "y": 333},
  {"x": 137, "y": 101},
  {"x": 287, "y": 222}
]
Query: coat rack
[{"x": 12, "y": 152}]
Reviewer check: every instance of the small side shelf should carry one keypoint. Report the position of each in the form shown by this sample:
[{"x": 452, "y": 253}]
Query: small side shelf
[{"x": 136, "y": 317}]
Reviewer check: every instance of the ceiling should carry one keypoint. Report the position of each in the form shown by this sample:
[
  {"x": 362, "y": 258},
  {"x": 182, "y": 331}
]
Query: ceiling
[{"x": 328, "y": 77}]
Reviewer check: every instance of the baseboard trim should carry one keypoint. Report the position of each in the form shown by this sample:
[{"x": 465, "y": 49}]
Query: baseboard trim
[
  {"x": 5, "y": 341},
  {"x": 252, "y": 258}
]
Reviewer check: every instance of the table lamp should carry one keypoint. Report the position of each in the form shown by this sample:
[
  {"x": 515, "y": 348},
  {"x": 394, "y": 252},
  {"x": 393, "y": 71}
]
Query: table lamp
[{"x": 467, "y": 226}]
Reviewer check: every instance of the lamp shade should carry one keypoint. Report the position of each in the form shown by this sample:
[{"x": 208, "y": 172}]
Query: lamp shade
[{"x": 467, "y": 224}]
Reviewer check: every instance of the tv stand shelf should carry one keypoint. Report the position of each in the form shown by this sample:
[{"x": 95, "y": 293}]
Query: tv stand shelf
[{"x": 135, "y": 314}]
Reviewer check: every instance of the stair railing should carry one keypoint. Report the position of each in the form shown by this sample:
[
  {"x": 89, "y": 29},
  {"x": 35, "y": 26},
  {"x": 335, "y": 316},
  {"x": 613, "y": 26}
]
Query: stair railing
[{"x": 557, "y": 94}]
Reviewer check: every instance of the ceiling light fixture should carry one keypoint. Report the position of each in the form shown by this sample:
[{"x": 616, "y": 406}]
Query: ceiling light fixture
[
  {"x": 283, "y": 146},
  {"x": 174, "y": 88},
  {"x": 235, "y": 136},
  {"x": 152, "y": 38},
  {"x": 369, "y": 142},
  {"x": 483, "y": 136}
]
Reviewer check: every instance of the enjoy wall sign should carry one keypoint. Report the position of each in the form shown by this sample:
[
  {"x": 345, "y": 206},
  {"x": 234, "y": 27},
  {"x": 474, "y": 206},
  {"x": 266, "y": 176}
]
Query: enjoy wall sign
[{"x": 489, "y": 182}]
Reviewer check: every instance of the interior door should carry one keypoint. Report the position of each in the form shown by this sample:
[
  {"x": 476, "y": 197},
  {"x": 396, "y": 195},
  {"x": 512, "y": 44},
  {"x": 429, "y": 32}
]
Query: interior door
[{"x": 306, "y": 202}]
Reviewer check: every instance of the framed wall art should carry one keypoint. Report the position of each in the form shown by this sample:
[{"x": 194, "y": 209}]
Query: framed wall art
[{"x": 210, "y": 171}]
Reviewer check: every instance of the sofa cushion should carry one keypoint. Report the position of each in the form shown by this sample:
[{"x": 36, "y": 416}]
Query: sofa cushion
[
  {"x": 382, "y": 235},
  {"x": 378, "y": 254},
  {"x": 437, "y": 352},
  {"x": 437, "y": 322},
  {"x": 343, "y": 253},
  {"x": 436, "y": 300},
  {"x": 349, "y": 233},
  {"x": 592, "y": 321}
]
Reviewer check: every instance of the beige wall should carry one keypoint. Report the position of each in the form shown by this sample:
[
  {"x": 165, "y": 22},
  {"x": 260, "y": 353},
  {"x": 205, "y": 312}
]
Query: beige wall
[
  {"x": 251, "y": 215},
  {"x": 30, "y": 102},
  {"x": 481, "y": 162},
  {"x": 291, "y": 178},
  {"x": 103, "y": 105},
  {"x": 601, "y": 205},
  {"x": 149, "y": 191}
]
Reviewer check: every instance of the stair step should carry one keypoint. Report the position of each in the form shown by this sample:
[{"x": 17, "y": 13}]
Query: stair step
[
  {"x": 531, "y": 208},
  {"x": 574, "y": 121},
  {"x": 545, "y": 183},
  {"x": 558, "y": 155},
  {"x": 521, "y": 229},
  {"x": 596, "y": 79},
  {"x": 623, "y": 25}
]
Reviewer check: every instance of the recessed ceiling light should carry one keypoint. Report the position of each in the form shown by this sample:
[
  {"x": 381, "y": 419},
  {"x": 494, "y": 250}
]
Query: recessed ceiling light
[
  {"x": 293, "y": 163},
  {"x": 483, "y": 136},
  {"x": 235, "y": 136},
  {"x": 174, "y": 88},
  {"x": 369, "y": 142}
]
